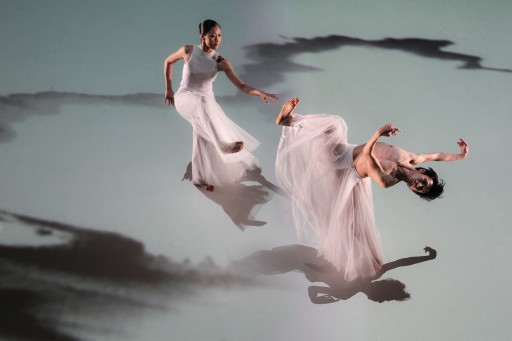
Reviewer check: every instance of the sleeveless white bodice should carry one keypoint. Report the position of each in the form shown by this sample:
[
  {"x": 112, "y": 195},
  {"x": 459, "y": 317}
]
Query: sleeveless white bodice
[
  {"x": 213, "y": 132},
  {"x": 199, "y": 72}
]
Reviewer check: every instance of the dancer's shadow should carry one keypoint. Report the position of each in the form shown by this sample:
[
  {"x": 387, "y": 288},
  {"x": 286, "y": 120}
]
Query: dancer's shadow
[
  {"x": 256, "y": 176},
  {"x": 316, "y": 269},
  {"x": 239, "y": 201}
]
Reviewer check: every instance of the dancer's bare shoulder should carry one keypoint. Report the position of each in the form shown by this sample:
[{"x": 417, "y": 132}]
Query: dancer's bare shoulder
[
  {"x": 184, "y": 52},
  {"x": 223, "y": 64}
]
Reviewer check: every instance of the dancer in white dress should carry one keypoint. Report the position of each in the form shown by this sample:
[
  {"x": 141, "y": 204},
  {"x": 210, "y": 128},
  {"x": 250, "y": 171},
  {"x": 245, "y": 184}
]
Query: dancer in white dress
[
  {"x": 329, "y": 183},
  {"x": 221, "y": 149}
]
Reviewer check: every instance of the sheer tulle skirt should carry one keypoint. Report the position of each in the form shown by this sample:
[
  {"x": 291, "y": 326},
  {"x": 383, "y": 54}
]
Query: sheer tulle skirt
[
  {"x": 314, "y": 166},
  {"x": 214, "y": 135}
]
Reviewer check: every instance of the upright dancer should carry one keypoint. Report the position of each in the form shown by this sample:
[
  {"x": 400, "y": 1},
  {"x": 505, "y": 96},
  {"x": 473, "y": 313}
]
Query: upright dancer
[{"x": 220, "y": 149}]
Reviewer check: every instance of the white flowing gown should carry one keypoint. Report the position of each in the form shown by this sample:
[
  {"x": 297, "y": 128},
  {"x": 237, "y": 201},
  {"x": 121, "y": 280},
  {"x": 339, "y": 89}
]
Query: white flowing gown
[
  {"x": 214, "y": 134},
  {"x": 315, "y": 166}
]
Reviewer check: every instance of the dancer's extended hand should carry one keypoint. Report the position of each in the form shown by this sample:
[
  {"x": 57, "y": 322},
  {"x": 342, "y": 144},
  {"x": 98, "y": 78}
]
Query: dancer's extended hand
[
  {"x": 265, "y": 97},
  {"x": 169, "y": 97},
  {"x": 464, "y": 148},
  {"x": 388, "y": 130}
]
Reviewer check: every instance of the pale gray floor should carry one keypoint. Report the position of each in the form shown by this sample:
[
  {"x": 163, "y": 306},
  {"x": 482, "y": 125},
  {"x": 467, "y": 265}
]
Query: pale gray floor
[{"x": 93, "y": 160}]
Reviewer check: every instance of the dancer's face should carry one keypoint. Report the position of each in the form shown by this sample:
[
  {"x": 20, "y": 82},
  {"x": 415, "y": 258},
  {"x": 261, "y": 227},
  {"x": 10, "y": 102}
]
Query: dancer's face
[
  {"x": 420, "y": 182},
  {"x": 212, "y": 38}
]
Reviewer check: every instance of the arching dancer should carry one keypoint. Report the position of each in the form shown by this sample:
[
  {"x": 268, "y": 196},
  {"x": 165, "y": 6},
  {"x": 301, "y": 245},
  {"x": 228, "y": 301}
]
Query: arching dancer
[{"x": 329, "y": 183}]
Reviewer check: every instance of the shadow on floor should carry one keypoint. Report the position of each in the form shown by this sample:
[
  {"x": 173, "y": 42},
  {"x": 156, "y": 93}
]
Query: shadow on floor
[
  {"x": 240, "y": 201},
  {"x": 304, "y": 259}
]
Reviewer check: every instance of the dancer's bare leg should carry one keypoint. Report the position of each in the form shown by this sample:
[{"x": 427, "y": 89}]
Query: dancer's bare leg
[{"x": 286, "y": 110}]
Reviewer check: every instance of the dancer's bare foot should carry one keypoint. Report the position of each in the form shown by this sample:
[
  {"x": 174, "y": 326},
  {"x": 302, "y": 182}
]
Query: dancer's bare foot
[
  {"x": 239, "y": 145},
  {"x": 233, "y": 147},
  {"x": 287, "y": 110},
  {"x": 206, "y": 187}
]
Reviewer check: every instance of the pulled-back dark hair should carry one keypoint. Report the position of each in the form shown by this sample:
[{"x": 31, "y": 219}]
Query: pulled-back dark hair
[
  {"x": 437, "y": 185},
  {"x": 206, "y": 26}
]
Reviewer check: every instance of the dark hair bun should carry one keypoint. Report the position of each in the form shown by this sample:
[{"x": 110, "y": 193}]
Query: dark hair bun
[{"x": 206, "y": 26}]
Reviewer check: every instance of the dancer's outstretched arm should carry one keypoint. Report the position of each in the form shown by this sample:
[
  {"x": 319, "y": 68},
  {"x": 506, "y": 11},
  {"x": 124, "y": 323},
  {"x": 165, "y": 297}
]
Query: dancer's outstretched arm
[
  {"x": 432, "y": 254},
  {"x": 321, "y": 295},
  {"x": 464, "y": 150},
  {"x": 225, "y": 65}
]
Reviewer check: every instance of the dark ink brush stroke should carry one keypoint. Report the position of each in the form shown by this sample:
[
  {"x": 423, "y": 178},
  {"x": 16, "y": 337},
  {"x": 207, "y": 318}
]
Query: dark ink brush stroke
[
  {"x": 94, "y": 271},
  {"x": 274, "y": 59},
  {"x": 17, "y": 320},
  {"x": 271, "y": 62},
  {"x": 17, "y": 107},
  {"x": 106, "y": 255}
]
